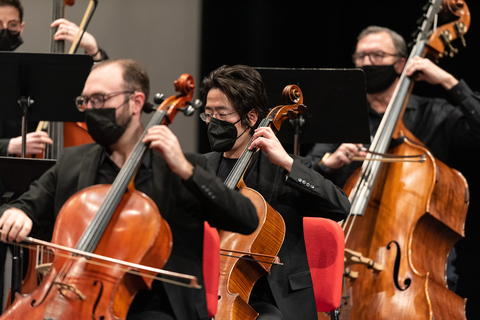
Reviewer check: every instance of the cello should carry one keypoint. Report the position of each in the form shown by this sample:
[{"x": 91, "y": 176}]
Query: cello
[
  {"x": 99, "y": 220},
  {"x": 407, "y": 216},
  {"x": 246, "y": 258}
]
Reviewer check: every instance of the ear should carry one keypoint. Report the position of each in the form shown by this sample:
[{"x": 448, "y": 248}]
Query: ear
[
  {"x": 21, "y": 27},
  {"x": 400, "y": 64},
  {"x": 252, "y": 116},
  {"x": 138, "y": 101}
]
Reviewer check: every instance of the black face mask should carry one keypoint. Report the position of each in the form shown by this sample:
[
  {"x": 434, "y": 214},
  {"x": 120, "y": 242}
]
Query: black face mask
[
  {"x": 379, "y": 78},
  {"x": 103, "y": 127},
  {"x": 222, "y": 134},
  {"x": 9, "y": 41}
]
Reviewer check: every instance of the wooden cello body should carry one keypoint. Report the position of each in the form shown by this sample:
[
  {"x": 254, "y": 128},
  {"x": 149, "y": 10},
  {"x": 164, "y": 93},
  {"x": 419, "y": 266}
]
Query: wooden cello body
[
  {"x": 88, "y": 288},
  {"x": 406, "y": 216},
  {"x": 238, "y": 276},
  {"x": 246, "y": 258}
]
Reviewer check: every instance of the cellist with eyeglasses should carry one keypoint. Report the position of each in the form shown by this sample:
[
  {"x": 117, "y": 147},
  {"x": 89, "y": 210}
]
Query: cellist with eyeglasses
[
  {"x": 184, "y": 190},
  {"x": 235, "y": 103}
]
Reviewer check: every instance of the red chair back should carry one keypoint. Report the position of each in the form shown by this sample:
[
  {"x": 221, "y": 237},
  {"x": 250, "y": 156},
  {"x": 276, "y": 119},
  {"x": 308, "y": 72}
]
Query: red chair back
[
  {"x": 211, "y": 267},
  {"x": 325, "y": 245}
]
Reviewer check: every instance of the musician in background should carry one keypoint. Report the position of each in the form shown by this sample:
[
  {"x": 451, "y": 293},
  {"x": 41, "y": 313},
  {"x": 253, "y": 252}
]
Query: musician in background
[
  {"x": 235, "y": 102},
  {"x": 186, "y": 193},
  {"x": 11, "y": 29},
  {"x": 443, "y": 127},
  {"x": 440, "y": 125}
]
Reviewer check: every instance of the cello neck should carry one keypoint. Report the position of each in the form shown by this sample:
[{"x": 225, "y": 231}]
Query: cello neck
[
  {"x": 94, "y": 231},
  {"x": 165, "y": 114},
  {"x": 274, "y": 120},
  {"x": 242, "y": 163}
]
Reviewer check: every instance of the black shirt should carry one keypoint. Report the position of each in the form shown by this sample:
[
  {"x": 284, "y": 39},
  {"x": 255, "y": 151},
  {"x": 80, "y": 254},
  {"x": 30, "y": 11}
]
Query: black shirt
[{"x": 108, "y": 171}]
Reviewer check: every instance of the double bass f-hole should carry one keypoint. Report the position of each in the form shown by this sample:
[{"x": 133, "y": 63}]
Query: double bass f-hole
[{"x": 407, "y": 282}]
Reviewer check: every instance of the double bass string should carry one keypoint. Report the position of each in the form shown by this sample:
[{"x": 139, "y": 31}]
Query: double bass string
[{"x": 362, "y": 190}]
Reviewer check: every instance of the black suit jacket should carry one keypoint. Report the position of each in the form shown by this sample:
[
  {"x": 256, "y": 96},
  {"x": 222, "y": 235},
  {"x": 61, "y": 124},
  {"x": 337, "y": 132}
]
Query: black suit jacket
[
  {"x": 304, "y": 193},
  {"x": 185, "y": 206}
]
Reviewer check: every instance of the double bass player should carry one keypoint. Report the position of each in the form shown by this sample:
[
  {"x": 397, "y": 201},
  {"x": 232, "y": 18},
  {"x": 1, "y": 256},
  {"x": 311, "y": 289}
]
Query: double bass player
[
  {"x": 441, "y": 126},
  {"x": 446, "y": 128}
]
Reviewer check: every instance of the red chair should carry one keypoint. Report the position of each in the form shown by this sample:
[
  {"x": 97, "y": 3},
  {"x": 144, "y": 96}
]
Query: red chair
[
  {"x": 211, "y": 267},
  {"x": 325, "y": 245}
]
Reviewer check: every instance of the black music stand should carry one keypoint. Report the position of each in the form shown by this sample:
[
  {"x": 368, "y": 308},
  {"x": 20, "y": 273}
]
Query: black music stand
[
  {"x": 16, "y": 175},
  {"x": 336, "y": 101},
  {"x": 41, "y": 86}
]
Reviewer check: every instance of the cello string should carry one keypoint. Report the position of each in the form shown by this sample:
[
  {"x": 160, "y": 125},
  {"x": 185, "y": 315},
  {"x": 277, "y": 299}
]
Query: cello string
[
  {"x": 251, "y": 259},
  {"x": 126, "y": 270}
]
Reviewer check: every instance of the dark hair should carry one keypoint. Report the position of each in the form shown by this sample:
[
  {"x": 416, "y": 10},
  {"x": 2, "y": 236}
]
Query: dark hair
[
  {"x": 398, "y": 41},
  {"x": 13, "y": 3},
  {"x": 134, "y": 75},
  {"x": 242, "y": 85}
]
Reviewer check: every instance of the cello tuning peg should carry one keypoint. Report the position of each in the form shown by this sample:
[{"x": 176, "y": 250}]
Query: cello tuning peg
[
  {"x": 291, "y": 115},
  {"x": 197, "y": 104},
  {"x": 159, "y": 98},
  {"x": 188, "y": 110},
  {"x": 302, "y": 109}
]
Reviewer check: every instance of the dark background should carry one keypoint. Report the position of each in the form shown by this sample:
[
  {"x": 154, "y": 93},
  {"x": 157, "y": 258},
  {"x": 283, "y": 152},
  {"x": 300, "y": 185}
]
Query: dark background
[{"x": 322, "y": 34}]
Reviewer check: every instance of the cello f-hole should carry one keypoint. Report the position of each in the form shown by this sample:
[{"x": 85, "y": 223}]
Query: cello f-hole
[{"x": 98, "y": 299}]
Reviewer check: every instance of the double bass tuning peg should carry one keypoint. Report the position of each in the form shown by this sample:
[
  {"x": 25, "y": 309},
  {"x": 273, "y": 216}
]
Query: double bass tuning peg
[{"x": 446, "y": 38}]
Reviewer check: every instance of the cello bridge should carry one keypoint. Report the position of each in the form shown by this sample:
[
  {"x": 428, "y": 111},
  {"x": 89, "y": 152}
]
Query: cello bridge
[{"x": 62, "y": 287}]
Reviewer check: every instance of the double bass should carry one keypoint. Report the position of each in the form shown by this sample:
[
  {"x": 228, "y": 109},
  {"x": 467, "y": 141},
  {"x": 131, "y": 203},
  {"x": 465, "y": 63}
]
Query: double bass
[
  {"x": 246, "y": 258},
  {"x": 102, "y": 223},
  {"x": 66, "y": 134},
  {"x": 406, "y": 216}
]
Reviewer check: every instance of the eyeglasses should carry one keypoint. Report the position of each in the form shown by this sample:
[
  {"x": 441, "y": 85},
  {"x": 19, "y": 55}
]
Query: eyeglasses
[
  {"x": 12, "y": 26},
  {"x": 374, "y": 56},
  {"x": 98, "y": 100},
  {"x": 221, "y": 116}
]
